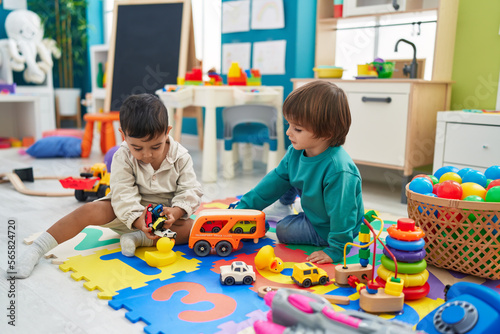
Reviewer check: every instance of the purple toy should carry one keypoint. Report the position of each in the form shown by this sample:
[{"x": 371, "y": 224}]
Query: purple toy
[{"x": 108, "y": 157}]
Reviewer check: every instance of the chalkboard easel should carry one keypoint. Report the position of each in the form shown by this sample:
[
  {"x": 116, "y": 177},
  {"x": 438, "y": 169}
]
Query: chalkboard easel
[{"x": 150, "y": 46}]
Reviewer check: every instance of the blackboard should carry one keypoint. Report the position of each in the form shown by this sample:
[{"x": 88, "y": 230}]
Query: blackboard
[{"x": 148, "y": 48}]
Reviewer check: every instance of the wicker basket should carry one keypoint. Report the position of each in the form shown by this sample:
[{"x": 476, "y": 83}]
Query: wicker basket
[{"x": 459, "y": 235}]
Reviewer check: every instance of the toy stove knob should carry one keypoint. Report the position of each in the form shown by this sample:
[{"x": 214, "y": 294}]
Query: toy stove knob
[{"x": 455, "y": 318}]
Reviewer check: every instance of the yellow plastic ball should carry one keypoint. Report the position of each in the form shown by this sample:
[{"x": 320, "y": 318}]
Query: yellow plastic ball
[
  {"x": 471, "y": 188},
  {"x": 450, "y": 176}
]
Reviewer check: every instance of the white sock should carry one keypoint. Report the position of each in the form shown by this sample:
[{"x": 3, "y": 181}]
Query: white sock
[
  {"x": 29, "y": 259},
  {"x": 130, "y": 241}
]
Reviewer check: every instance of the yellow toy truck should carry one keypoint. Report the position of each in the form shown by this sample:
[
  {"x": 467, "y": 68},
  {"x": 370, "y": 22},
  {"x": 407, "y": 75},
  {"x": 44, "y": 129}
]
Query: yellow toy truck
[
  {"x": 92, "y": 184},
  {"x": 307, "y": 274}
]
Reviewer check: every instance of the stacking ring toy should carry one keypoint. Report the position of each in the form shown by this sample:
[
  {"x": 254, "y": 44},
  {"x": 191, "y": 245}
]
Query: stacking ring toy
[
  {"x": 406, "y": 235},
  {"x": 409, "y": 279},
  {"x": 405, "y": 245},
  {"x": 403, "y": 256},
  {"x": 403, "y": 267},
  {"x": 411, "y": 292}
]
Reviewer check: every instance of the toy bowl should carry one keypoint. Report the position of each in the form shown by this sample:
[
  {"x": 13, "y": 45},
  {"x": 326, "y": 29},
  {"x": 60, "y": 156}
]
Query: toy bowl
[
  {"x": 329, "y": 71},
  {"x": 384, "y": 69}
]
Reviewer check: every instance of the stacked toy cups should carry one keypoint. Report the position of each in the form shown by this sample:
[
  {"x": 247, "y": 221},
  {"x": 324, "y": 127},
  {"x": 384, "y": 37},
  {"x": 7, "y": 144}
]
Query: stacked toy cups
[{"x": 405, "y": 242}]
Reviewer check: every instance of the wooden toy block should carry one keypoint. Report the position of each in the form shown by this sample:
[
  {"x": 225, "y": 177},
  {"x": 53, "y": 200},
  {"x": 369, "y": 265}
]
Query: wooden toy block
[
  {"x": 380, "y": 302},
  {"x": 364, "y": 274}
]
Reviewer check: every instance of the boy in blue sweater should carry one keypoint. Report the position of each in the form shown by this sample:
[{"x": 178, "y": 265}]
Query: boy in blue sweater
[{"x": 319, "y": 170}]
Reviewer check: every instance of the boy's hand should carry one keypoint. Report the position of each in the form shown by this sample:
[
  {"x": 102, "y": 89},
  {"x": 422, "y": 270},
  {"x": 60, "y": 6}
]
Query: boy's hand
[
  {"x": 172, "y": 215},
  {"x": 140, "y": 224},
  {"x": 319, "y": 257}
]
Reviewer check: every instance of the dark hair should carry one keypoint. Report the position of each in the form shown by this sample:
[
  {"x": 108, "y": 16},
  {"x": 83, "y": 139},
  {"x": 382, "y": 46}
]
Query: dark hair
[
  {"x": 143, "y": 116},
  {"x": 322, "y": 108}
]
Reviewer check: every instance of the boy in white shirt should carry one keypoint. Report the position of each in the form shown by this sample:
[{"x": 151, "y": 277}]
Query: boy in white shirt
[{"x": 148, "y": 168}]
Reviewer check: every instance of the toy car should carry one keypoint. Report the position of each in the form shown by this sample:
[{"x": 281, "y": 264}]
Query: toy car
[
  {"x": 244, "y": 226},
  {"x": 212, "y": 226},
  {"x": 93, "y": 184},
  {"x": 237, "y": 272},
  {"x": 156, "y": 222},
  {"x": 307, "y": 274},
  {"x": 225, "y": 240}
]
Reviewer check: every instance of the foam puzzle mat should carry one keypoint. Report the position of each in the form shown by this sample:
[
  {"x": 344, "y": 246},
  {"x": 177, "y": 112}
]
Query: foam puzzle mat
[{"x": 191, "y": 291}]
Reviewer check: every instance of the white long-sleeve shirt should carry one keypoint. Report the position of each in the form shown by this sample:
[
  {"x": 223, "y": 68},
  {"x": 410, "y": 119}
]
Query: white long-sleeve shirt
[{"x": 134, "y": 184}]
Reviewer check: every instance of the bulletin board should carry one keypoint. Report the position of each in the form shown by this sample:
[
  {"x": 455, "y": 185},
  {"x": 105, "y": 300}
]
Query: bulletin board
[{"x": 149, "y": 47}]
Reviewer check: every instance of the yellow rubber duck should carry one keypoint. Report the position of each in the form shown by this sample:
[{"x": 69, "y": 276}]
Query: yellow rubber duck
[{"x": 164, "y": 255}]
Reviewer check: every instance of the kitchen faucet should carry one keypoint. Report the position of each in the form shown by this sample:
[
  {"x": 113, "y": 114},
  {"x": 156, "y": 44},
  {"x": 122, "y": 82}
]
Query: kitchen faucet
[{"x": 412, "y": 69}]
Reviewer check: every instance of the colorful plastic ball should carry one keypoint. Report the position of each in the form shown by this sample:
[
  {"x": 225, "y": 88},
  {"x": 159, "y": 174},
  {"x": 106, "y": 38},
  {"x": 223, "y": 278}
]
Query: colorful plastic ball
[
  {"x": 445, "y": 169},
  {"x": 424, "y": 176},
  {"x": 450, "y": 176},
  {"x": 493, "y": 195},
  {"x": 431, "y": 194},
  {"x": 493, "y": 172},
  {"x": 450, "y": 189},
  {"x": 492, "y": 184},
  {"x": 471, "y": 188},
  {"x": 421, "y": 185},
  {"x": 474, "y": 198},
  {"x": 463, "y": 171},
  {"x": 435, "y": 188},
  {"x": 108, "y": 157},
  {"x": 474, "y": 176},
  {"x": 433, "y": 179}
]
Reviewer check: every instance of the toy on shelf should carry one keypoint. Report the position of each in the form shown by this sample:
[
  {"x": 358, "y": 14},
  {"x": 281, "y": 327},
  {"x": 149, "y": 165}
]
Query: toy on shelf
[
  {"x": 94, "y": 183},
  {"x": 307, "y": 274},
  {"x": 237, "y": 272},
  {"x": 469, "y": 308},
  {"x": 163, "y": 256},
  {"x": 266, "y": 260},
  {"x": 195, "y": 77},
  {"x": 341, "y": 300},
  {"x": 236, "y": 76},
  {"x": 215, "y": 78},
  {"x": 253, "y": 77},
  {"x": 296, "y": 311},
  {"x": 225, "y": 240},
  {"x": 156, "y": 221},
  {"x": 376, "y": 296}
]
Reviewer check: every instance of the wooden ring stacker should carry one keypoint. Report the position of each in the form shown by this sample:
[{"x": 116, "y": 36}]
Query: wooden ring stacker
[
  {"x": 414, "y": 235},
  {"x": 342, "y": 300}
]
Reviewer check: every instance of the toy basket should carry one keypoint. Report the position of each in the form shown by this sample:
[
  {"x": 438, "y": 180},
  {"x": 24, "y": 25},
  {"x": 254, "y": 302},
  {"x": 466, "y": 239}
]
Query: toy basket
[{"x": 459, "y": 235}]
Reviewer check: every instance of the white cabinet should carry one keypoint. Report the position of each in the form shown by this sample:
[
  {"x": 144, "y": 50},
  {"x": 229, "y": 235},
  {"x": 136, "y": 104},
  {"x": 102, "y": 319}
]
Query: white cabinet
[
  {"x": 466, "y": 139},
  {"x": 98, "y": 55},
  {"x": 393, "y": 121}
]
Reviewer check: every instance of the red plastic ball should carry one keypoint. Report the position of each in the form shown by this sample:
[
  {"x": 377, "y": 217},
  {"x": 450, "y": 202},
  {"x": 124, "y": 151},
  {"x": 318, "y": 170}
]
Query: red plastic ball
[
  {"x": 435, "y": 188},
  {"x": 492, "y": 184},
  {"x": 423, "y": 175},
  {"x": 450, "y": 189}
]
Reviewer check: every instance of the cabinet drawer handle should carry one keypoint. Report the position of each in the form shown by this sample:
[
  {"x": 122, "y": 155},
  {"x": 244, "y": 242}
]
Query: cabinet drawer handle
[{"x": 376, "y": 99}]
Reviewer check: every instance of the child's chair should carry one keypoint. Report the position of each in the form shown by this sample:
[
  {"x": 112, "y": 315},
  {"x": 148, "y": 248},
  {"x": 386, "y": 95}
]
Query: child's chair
[{"x": 250, "y": 124}]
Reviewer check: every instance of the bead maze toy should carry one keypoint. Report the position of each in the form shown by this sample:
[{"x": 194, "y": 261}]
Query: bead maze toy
[
  {"x": 387, "y": 292},
  {"x": 228, "y": 238}
]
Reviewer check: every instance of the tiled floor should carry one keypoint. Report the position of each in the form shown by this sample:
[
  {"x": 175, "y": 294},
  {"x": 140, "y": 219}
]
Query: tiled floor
[{"x": 50, "y": 301}]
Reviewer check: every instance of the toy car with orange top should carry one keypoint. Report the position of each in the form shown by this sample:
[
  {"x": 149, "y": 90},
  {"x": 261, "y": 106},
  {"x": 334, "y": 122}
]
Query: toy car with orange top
[{"x": 227, "y": 239}]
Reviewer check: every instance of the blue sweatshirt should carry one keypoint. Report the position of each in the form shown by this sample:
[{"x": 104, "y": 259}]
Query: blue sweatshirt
[{"x": 331, "y": 194}]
